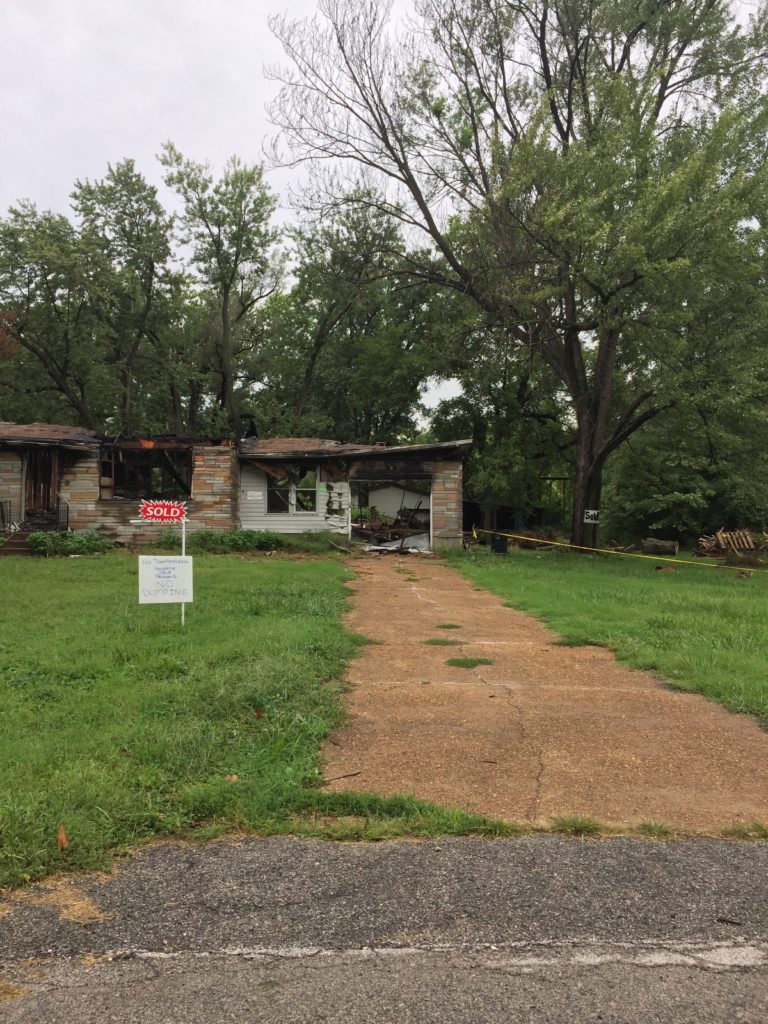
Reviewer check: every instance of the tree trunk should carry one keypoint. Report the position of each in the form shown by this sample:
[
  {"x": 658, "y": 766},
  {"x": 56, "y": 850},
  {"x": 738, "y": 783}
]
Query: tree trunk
[
  {"x": 587, "y": 490},
  {"x": 228, "y": 400}
]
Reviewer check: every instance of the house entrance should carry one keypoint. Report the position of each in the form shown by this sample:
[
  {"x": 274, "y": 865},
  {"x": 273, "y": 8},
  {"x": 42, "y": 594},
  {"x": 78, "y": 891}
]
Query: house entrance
[
  {"x": 41, "y": 486},
  {"x": 385, "y": 510}
]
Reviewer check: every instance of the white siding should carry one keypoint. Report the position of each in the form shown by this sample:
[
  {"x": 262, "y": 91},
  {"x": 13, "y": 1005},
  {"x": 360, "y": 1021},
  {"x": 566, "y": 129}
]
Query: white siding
[
  {"x": 389, "y": 500},
  {"x": 253, "y": 507}
]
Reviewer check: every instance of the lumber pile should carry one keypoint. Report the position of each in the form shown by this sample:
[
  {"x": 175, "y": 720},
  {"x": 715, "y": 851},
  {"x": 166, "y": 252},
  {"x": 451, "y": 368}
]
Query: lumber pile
[{"x": 725, "y": 542}]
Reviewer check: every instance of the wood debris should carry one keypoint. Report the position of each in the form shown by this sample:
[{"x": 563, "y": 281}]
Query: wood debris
[{"x": 734, "y": 542}]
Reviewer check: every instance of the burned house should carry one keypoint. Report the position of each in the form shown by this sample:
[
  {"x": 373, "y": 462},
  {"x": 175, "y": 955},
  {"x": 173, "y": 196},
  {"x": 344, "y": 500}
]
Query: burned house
[
  {"x": 294, "y": 485},
  {"x": 57, "y": 477}
]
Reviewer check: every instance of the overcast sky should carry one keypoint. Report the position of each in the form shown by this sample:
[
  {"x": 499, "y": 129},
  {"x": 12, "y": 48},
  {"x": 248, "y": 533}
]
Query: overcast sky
[{"x": 84, "y": 83}]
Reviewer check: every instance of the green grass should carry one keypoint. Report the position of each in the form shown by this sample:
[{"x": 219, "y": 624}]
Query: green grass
[
  {"x": 448, "y": 625},
  {"x": 468, "y": 662},
  {"x": 442, "y": 641},
  {"x": 122, "y": 726},
  {"x": 755, "y": 830},
  {"x": 703, "y": 629},
  {"x": 657, "y": 829}
]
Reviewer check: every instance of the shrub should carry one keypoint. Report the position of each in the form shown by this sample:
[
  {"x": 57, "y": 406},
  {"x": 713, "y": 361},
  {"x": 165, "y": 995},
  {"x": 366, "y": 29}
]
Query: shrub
[
  {"x": 234, "y": 540},
  {"x": 88, "y": 543}
]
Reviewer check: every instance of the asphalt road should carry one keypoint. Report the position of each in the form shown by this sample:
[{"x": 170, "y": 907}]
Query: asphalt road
[{"x": 539, "y": 929}]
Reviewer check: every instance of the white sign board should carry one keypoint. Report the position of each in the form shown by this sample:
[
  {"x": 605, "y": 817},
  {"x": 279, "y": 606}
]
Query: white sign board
[
  {"x": 165, "y": 579},
  {"x": 591, "y": 515}
]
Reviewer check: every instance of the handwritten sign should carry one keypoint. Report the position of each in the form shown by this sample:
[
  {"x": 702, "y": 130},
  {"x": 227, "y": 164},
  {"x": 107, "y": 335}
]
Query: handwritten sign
[
  {"x": 152, "y": 511},
  {"x": 165, "y": 579}
]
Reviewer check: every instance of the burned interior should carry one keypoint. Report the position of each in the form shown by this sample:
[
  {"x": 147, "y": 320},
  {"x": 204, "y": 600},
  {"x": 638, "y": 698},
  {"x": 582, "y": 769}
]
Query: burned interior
[{"x": 145, "y": 469}]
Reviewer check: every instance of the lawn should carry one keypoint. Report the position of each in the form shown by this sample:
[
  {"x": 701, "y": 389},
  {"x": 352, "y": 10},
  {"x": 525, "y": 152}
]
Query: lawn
[
  {"x": 702, "y": 628},
  {"x": 121, "y": 725}
]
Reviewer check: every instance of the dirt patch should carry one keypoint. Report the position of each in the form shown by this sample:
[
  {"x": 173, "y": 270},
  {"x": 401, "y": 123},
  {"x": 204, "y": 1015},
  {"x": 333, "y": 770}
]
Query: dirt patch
[
  {"x": 542, "y": 731},
  {"x": 9, "y": 990},
  {"x": 70, "y": 902}
]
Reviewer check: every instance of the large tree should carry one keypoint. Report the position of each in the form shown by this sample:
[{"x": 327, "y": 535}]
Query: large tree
[
  {"x": 569, "y": 161},
  {"x": 86, "y": 300},
  {"x": 226, "y": 224}
]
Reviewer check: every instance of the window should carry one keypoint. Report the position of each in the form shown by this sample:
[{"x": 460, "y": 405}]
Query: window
[
  {"x": 278, "y": 494},
  {"x": 289, "y": 496},
  {"x": 306, "y": 493}
]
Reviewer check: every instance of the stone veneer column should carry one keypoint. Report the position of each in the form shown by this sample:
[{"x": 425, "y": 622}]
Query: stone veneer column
[
  {"x": 447, "y": 497},
  {"x": 79, "y": 487},
  {"x": 215, "y": 486},
  {"x": 10, "y": 481}
]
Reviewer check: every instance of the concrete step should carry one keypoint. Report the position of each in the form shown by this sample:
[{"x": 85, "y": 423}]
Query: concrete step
[{"x": 16, "y": 544}]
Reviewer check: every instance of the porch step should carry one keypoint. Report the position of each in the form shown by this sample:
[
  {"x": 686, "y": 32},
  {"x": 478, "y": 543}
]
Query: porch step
[{"x": 16, "y": 543}]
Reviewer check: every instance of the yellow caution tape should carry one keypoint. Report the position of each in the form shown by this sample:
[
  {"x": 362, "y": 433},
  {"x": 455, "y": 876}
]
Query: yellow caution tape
[{"x": 610, "y": 551}]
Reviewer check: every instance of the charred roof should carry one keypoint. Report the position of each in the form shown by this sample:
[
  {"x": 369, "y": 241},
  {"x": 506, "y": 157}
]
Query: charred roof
[
  {"x": 324, "y": 448},
  {"x": 56, "y": 434}
]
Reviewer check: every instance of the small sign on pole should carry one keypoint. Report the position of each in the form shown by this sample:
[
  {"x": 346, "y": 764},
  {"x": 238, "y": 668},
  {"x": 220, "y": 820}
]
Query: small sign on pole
[
  {"x": 166, "y": 579},
  {"x": 592, "y": 515}
]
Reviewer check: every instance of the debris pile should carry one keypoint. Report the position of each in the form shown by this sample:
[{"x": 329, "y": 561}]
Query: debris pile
[{"x": 733, "y": 542}]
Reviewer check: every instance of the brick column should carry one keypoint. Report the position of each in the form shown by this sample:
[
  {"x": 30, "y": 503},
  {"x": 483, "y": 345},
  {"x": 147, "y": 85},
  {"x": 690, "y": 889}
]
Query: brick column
[
  {"x": 447, "y": 496},
  {"x": 215, "y": 485}
]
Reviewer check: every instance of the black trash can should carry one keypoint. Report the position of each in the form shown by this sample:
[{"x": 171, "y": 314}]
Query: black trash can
[{"x": 499, "y": 544}]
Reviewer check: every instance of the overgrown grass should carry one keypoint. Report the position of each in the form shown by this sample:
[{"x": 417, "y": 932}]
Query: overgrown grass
[
  {"x": 121, "y": 725},
  {"x": 704, "y": 629}
]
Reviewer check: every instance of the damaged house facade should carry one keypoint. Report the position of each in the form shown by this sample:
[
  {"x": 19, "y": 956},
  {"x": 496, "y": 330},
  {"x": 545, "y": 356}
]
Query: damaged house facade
[{"x": 55, "y": 477}]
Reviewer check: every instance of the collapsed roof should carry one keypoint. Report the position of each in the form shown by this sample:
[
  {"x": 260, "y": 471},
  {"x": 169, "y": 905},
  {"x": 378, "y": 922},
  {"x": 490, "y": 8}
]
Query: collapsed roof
[
  {"x": 321, "y": 448},
  {"x": 49, "y": 434},
  {"x": 63, "y": 436}
]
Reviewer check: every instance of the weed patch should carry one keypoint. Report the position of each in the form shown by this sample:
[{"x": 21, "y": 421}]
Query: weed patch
[
  {"x": 442, "y": 641},
  {"x": 655, "y": 828},
  {"x": 576, "y": 826},
  {"x": 468, "y": 662},
  {"x": 754, "y": 830}
]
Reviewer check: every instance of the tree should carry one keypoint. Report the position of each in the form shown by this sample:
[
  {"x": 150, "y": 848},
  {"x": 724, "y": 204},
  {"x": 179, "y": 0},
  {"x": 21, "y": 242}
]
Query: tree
[
  {"x": 123, "y": 216},
  {"x": 569, "y": 161},
  {"x": 226, "y": 225},
  {"x": 89, "y": 299},
  {"x": 347, "y": 351},
  {"x": 47, "y": 274},
  {"x": 512, "y": 407}
]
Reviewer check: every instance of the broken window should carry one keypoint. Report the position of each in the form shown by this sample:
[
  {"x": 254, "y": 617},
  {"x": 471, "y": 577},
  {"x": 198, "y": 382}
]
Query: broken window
[
  {"x": 287, "y": 494},
  {"x": 306, "y": 492},
  {"x": 278, "y": 494},
  {"x": 146, "y": 473}
]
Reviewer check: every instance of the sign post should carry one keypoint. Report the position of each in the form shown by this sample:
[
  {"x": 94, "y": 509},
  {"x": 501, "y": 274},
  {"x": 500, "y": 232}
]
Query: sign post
[{"x": 166, "y": 579}]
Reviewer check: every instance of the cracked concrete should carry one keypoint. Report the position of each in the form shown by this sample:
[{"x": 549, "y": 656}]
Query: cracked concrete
[{"x": 544, "y": 731}]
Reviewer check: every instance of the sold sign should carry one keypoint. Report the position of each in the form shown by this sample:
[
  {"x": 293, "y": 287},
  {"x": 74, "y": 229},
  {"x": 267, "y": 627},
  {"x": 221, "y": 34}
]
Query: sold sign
[{"x": 163, "y": 511}]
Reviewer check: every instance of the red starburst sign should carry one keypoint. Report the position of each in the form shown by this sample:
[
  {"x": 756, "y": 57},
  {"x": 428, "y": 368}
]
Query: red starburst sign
[{"x": 168, "y": 512}]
